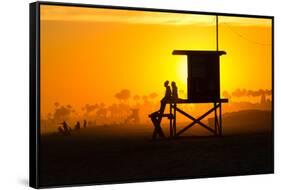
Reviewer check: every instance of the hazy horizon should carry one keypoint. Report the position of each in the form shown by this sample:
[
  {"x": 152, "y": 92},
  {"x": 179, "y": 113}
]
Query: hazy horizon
[{"x": 89, "y": 55}]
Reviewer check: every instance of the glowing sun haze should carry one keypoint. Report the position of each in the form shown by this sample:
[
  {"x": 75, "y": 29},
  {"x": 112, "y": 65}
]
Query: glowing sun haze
[{"x": 89, "y": 54}]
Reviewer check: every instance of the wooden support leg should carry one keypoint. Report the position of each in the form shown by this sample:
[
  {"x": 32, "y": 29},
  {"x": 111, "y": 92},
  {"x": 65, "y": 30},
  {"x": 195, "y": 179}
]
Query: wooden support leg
[
  {"x": 215, "y": 120},
  {"x": 160, "y": 131},
  {"x": 171, "y": 121},
  {"x": 157, "y": 128},
  {"x": 220, "y": 120},
  {"x": 175, "y": 120},
  {"x": 154, "y": 134},
  {"x": 156, "y": 118}
]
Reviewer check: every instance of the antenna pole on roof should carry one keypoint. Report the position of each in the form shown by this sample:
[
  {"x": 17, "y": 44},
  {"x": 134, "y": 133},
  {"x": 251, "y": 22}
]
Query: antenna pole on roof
[{"x": 217, "y": 32}]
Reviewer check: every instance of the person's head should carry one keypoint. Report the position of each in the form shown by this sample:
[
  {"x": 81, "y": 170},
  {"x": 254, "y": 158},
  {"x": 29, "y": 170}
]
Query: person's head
[
  {"x": 173, "y": 84},
  {"x": 166, "y": 83}
]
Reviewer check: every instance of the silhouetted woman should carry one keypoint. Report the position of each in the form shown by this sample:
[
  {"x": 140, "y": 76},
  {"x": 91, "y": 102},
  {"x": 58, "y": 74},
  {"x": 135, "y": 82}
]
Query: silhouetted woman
[{"x": 174, "y": 91}]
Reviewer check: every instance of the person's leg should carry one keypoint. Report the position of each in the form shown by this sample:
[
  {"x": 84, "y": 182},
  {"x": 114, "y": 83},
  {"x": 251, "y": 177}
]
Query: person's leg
[{"x": 162, "y": 106}]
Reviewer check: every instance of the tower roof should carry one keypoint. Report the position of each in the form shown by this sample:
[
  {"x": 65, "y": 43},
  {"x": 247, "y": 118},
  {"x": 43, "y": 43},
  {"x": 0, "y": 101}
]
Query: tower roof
[{"x": 195, "y": 52}]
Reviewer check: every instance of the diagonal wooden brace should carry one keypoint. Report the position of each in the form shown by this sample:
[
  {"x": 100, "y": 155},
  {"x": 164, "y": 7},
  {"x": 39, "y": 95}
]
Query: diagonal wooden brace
[{"x": 198, "y": 120}]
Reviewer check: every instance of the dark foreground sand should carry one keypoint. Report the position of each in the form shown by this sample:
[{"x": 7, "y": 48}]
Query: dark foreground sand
[{"x": 92, "y": 155}]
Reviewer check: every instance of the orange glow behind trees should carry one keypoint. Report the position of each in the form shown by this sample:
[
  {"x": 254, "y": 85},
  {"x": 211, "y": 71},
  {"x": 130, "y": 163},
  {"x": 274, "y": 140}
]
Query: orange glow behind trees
[{"x": 88, "y": 55}]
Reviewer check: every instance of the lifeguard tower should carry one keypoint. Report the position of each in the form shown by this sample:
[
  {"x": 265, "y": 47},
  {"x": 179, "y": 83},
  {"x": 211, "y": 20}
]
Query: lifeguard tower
[{"x": 203, "y": 86}]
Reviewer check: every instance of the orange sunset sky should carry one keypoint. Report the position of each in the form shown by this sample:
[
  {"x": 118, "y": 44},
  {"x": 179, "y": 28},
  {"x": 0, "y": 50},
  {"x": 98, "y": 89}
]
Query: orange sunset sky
[{"x": 89, "y": 54}]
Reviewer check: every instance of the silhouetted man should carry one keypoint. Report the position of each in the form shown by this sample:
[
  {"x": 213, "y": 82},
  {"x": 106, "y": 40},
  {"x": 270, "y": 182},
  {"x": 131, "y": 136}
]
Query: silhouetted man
[
  {"x": 156, "y": 117},
  {"x": 164, "y": 100},
  {"x": 167, "y": 96}
]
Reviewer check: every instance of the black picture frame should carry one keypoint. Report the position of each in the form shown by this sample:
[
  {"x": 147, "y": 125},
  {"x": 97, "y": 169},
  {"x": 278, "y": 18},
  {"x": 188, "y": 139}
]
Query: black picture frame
[{"x": 34, "y": 83}]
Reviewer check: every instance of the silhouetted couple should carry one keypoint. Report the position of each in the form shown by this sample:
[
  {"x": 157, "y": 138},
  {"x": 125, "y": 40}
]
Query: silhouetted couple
[
  {"x": 156, "y": 117},
  {"x": 170, "y": 95}
]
